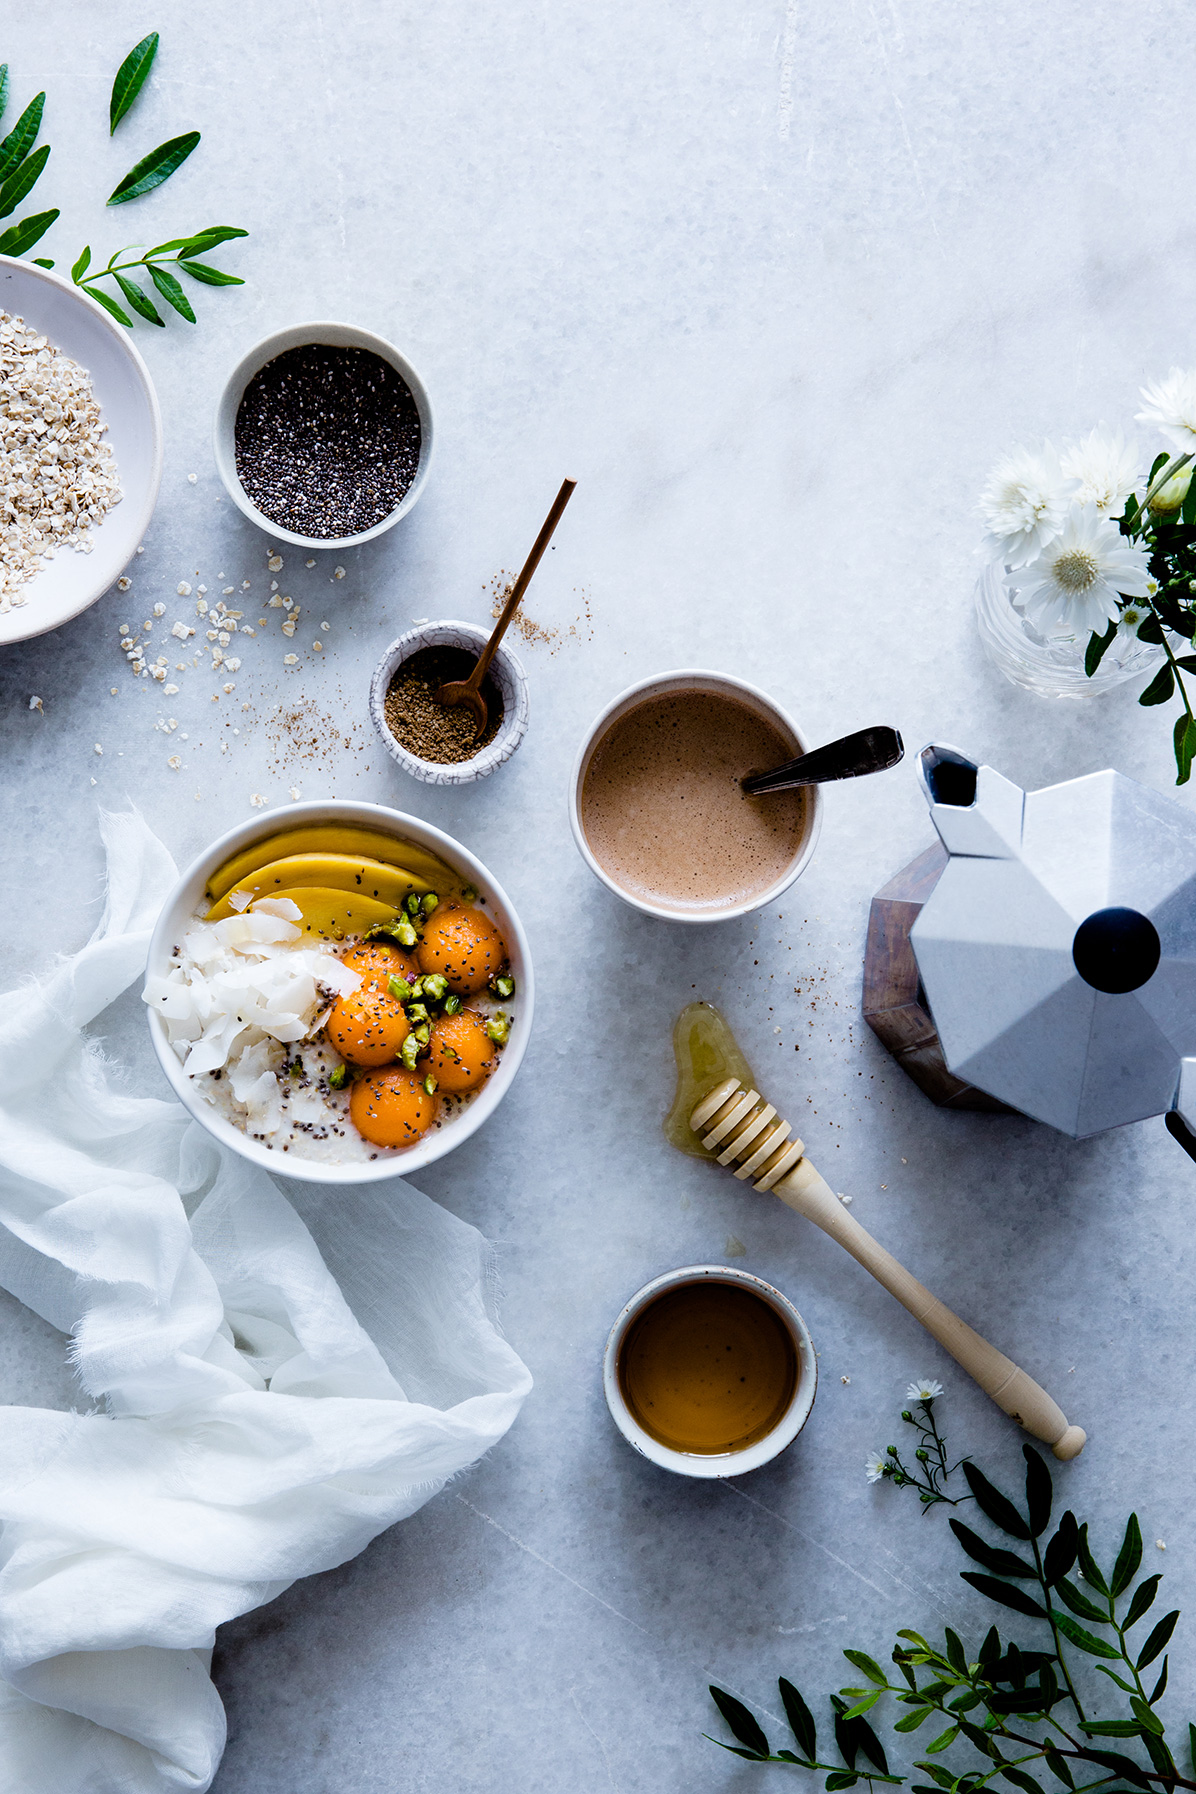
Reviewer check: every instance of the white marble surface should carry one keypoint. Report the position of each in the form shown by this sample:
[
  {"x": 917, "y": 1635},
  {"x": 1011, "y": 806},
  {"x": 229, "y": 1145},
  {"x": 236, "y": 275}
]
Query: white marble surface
[{"x": 775, "y": 283}]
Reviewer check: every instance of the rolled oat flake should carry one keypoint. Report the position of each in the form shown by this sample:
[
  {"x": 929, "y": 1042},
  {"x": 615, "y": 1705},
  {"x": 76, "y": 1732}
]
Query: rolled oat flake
[{"x": 327, "y": 440}]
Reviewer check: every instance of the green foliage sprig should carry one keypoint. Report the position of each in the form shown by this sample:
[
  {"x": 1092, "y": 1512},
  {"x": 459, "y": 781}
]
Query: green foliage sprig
[
  {"x": 930, "y": 1455},
  {"x": 1009, "y": 1712},
  {"x": 21, "y": 166}
]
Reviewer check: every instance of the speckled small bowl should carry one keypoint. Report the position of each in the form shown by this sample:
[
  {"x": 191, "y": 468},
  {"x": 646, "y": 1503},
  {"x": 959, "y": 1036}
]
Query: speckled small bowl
[{"x": 507, "y": 674}]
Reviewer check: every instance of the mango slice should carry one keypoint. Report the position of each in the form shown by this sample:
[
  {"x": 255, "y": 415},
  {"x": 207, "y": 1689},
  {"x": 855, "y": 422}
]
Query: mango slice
[
  {"x": 330, "y": 914},
  {"x": 323, "y": 871},
  {"x": 330, "y": 838}
]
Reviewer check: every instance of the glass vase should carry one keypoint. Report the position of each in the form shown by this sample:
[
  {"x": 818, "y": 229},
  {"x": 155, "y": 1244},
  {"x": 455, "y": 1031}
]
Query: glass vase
[{"x": 1052, "y": 666}]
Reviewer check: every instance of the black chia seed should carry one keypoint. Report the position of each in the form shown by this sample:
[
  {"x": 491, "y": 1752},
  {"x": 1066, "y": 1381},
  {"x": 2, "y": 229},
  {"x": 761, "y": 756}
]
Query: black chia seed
[{"x": 327, "y": 440}]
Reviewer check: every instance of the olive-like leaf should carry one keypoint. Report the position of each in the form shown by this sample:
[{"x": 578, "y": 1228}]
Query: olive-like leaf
[
  {"x": 913, "y": 1720},
  {"x": 1126, "y": 1766},
  {"x": 1005, "y": 1593},
  {"x": 1071, "y": 1597},
  {"x": 1062, "y": 1550},
  {"x": 3, "y": 87},
  {"x": 20, "y": 237},
  {"x": 1040, "y": 1491},
  {"x": 864, "y": 1704},
  {"x": 1121, "y": 1682},
  {"x": 1144, "y": 1716},
  {"x": 1089, "y": 1568},
  {"x": 1157, "y": 1640},
  {"x": 942, "y": 1776},
  {"x": 1160, "y": 1687},
  {"x": 1128, "y": 1558},
  {"x": 872, "y": 1670},
  {"x": 1082, "y": 1639},
  {"x": 801, "y": 1720},
  {"x": 990, "y": 1648},
  {"x": 999, "y": 1509},
  {"x": 956, "y": 1655},
  {"x": 1110, "y": 1728},
  {"x": 26, "y": 176},
  {"x": 1098, "y": 647},
  {"x": 1192, "y": 1745},
  {"x": 742, "y": 1723},
  {"x": 1020, "y": 1779},
  {"x": 1184, "y": 737},
  {"x": 81, "y": 266},
  {"x": 130, "y": 78},
  {"x": 943, "y": 1741},
  {"x": 1160, "y": 687},
  {"x": 171, "y": 291},
  {"x": 1143, "y": 1599},
  {"x": 21, "y": 139},
  {"x": 840, "y": 1778},
  {"x": 111, "y": 306},
  {"x": 211, "y": 277},
  {"x": 1058, "y": 1766},
  {"x": 1000, "y": 1562},
  {"x": 203, "y": 240},
  {"x": 153, "y": 169},
  {"x": 137, "y": 299},
  {"x": 870, "y": 1745},
  {"x": 42, "y": 261}
]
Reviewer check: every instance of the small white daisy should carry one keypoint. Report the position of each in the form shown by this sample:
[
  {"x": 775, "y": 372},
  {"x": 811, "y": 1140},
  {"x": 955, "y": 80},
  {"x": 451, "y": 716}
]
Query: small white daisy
[
  {"x": 1024, "y": 504},
  {"x": 1135, "y": 614},
  {"x": 1104, "y": 469},
  {"x": 1171, "y": 405},
  {"x": 1074, "y": 585},
  {"x": 875, "y": 1467},
  {"x": 925, "y": 1390}
]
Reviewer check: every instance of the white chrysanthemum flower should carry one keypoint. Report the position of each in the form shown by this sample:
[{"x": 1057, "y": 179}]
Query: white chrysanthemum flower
[
  {"x": 1104, "y": 469},
  {"x": 875, "y": 1467},
  {"x": 1171, "y": 405},
  {"x": 924, "y": 1391},
  {"x": 1136, "y": 614},
  {"x": 1074, "y": 586},
  {"x": 1024, "y": 504}
]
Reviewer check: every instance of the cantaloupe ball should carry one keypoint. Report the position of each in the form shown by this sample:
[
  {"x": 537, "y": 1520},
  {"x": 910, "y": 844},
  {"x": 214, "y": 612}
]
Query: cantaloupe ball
[
  {"x": 463, "y": 945},
  {"x": 368, "y": 1028},
  {"x": 377, "y": 962},
  {"x": 461, "y": 1053},
  {"x": 391, "y": 1108}
]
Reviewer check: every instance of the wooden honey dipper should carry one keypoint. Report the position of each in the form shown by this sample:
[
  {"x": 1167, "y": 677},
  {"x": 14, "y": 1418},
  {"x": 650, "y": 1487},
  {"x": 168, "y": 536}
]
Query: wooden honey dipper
[{"x": 739, "y": 1125}]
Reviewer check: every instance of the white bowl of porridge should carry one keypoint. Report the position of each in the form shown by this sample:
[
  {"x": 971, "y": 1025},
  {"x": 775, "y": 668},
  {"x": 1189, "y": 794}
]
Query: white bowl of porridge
[{"x": 342, "y": 993}]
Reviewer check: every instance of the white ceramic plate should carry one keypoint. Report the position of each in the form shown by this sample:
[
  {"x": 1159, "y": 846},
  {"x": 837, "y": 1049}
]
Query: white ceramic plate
[
  {"x": 121, "y": 382},
  {"x": 186, "y": 898}
]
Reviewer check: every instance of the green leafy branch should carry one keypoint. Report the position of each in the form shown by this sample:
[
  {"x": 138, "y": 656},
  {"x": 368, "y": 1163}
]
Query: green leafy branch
[
  {"x": 1015, "y": 1711},
  {"x": 21, "y": 167}
]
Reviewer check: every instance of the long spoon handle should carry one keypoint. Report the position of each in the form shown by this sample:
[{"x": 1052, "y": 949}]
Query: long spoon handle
[
  {"x": 805, "y": 1190},
  {"x": 851, "y": 757},
  {"x": 522, "y": 583}
]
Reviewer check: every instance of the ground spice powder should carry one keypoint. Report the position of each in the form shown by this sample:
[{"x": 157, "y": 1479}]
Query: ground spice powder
[{"x": 428, "y": 729}]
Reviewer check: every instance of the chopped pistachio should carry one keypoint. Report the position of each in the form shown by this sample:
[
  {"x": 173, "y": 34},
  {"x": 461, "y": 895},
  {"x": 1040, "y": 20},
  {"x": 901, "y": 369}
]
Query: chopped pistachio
[
  {"x": 499, "y": 1029},
  {"x": 435, "y": 986},
  {"x": 338, "y": 1077},
  {"x": 411, "y": 903},
  {"x": 409, "y": 1052},
  {"x": 296, "y": 1068},
  {"x": 417, "y": 987},
  {"x": 416, "y": 1012},
  {"x": 428, "y": 902},
  {"x": 505, "y": 986},
  {"x": 470, "y": 893},
  {"x": 430, "y": 1084},
  {"x": 405, "y": 934},
  {"x": 423, "y": 1034},
  {"x": 451, "y": 1005},
  {"x": 399, "y": 989}
]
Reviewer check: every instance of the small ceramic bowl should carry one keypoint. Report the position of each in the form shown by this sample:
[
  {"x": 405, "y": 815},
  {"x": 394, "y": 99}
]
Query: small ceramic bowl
[
  {"x": 344, "y": 336},
  {"x": 720, "y": 685},
  {"x": 507, "y": 674},
  {"x": 120, "y": 380},
  {"x": 188, "y": 895},
  {"x": 734, "y": 1463}
]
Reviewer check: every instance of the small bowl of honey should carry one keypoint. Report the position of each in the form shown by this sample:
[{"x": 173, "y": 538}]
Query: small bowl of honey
[{"x": 710, "y": 1371}]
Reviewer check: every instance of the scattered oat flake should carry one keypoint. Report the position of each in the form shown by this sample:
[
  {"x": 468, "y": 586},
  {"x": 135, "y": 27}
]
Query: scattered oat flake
[
  {"x": 274, "y": 563},
  {"x": 288, "y": 627},
  {"x": 141, "y": 548},
  {"x": 159, "y": 610},
  {"x": 296, "y": 794},
  {"x": 201, "y": 589},
  {"x": 182, "y": 630},
  {"x": 338, "y": 573},
  {"x": 845, "y": 1379},
  {"x": 98, "y": 748},
  {"x": 317, "y": 647},
  {"x": 325, "y": 625},
  {"x": 170, "y": 690},
  {"x": 174, "y": 762},
  {"x": 36, "y": 704},
  {"x": 258, "y": 801},
  {"x": 191, "y": 478},
  {"x": 124, "y": 629},
  {"x": 230, "y": 687},
  {"x": 310, "y": 563},
  {"x": 244, "y": 585},
  {"x": 234, "y": 663},
  {"x": 123, "y": 583},
  {"x": 112, "y": 689},
  {"x": 183, "y": 589},
  {"x": 290, "y": 660},
  {"x": 1159, "y": 1545}
]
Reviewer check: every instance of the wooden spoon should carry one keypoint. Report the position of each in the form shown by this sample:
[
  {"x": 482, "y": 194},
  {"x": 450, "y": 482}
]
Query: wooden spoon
[
  {"x": 747, "y": 1132},
  {"x": 466, "y": 692}
]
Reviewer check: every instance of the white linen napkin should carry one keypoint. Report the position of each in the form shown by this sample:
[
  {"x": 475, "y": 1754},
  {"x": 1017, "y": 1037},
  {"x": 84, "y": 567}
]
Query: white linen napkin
[{"x": 246, "y": 1429}]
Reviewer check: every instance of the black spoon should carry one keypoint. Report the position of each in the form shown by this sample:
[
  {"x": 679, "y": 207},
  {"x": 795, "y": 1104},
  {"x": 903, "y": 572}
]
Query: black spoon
[{"x": 868, "y": 750}]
